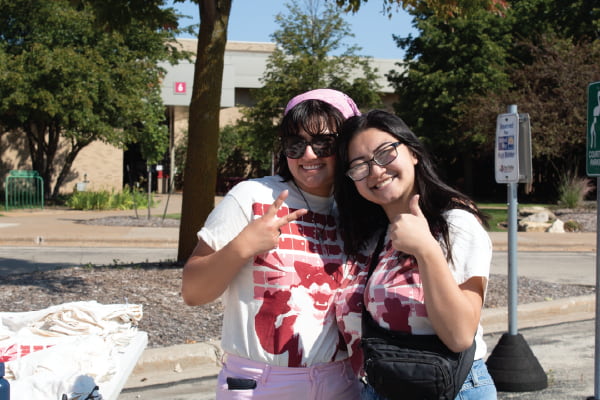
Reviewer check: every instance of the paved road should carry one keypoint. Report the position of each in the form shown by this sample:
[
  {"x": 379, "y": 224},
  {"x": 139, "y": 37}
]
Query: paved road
[
  {"x": 27, "y": 259},
  {"x": 555, "y": 267},
  {"x": 564, "y": 351}
]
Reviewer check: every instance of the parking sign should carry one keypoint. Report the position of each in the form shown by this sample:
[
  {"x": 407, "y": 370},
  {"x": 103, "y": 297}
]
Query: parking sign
[
  {"x": 592, "y": 155},
  {"x": 507, "y": 148}
]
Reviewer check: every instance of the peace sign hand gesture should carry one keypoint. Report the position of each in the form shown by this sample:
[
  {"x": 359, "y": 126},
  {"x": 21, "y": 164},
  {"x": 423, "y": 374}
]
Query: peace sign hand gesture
[{"x": 262, "y": 234}]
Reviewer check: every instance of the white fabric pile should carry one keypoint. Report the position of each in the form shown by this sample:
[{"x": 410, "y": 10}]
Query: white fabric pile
[{"x": 65, "y": 349}]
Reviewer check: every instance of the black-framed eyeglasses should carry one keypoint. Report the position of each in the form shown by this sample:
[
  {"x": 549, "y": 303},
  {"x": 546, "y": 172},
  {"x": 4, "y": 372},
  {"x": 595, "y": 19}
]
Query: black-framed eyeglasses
[
  {"x": 322, "y": 145},
  {"x": 382, "y": 157}
]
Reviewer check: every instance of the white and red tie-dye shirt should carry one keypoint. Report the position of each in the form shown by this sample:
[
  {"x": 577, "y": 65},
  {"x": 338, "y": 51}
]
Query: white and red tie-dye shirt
[
  {"x": 394, "y": 293},
  {"x": 279, "y": 308}
]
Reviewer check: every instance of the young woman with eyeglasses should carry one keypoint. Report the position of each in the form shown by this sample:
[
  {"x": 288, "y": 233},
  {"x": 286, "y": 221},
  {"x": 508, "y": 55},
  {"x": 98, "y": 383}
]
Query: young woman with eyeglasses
[
  {"x": 271, "y": 250},
  {"x": 431, "y": 276}
]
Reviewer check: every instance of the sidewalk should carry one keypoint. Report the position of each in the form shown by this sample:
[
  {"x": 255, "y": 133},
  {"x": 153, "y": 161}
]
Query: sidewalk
[
  {"x": 62, "y": 227},
  {"x": 56, "y": 227}
]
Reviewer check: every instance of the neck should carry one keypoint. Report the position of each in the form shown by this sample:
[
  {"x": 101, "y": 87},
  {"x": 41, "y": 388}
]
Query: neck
[{"x": 315, "y": 192}]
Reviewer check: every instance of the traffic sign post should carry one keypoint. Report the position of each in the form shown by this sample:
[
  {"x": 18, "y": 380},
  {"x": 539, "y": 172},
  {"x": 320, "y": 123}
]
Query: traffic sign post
[
  {"x": 592, "y": 154},
  {"x": 507, "y": 148},
  {"x": 512, "y": 364},
  {"x": 592, "y": 157}
]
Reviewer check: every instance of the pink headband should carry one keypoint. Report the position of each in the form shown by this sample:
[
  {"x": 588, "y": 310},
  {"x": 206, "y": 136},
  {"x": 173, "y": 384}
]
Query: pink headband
[{"x": 336, "y": 98}]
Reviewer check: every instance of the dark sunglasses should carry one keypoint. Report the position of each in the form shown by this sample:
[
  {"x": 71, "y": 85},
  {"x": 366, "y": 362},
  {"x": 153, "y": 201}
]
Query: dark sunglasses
[{"x": 322, "y": 145}]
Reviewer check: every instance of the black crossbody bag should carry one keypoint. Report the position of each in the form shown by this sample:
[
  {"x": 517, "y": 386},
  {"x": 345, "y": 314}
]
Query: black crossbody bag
[{"x": 402, "y": 366}]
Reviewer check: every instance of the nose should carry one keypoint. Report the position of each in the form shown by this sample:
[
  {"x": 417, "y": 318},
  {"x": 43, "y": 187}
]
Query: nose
[
  {"x": 309, "y": 153},
  {"x": 375, "y": 169}
]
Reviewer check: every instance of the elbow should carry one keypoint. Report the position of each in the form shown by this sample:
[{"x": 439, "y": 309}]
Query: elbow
[
  {"x": 460, "y": 344},
  {"x": 197, "y": 297},
  {"x": 460, "y": 341},
  {"x": 195, "y": 300},
  {"x": 190, "y": 301}
]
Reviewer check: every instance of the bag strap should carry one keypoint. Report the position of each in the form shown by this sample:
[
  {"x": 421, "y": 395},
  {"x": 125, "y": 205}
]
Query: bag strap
[
  {"x": 375, "y": 256},
  {"x": 367, "y": 319}
]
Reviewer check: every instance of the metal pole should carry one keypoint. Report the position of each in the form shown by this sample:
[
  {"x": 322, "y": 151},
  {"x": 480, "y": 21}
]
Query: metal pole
[
  {"x": 512, "y": 250},
  {"x": 512, "y": 259},
  {"x": 597, "y": 341}
]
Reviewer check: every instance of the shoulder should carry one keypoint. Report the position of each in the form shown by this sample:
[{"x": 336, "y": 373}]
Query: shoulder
[
  {"x": 458, "y": 217},
  {"x": 465, "y": 225},
  {"x": 266, "y": 185}
]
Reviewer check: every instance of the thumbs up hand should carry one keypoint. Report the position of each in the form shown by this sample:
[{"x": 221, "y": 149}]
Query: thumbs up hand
[{"x": 409, "y": 232}]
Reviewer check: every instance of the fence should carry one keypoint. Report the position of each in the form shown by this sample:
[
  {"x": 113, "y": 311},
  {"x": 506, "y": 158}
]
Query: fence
[{"x": 24, "y": 189}]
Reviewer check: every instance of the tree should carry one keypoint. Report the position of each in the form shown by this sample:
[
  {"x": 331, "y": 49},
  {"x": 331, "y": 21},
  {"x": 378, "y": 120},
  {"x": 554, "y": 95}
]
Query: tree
[
  {"x": 200, "y": 169},
  {"x": 575, "y": 19},
  {"x": 448, "y": 63},
  {"x": 441, "y": 8},
  {"x": 203, "y": 132},
  {"x": 303, "y": 59},
  {"x": 551, "y": 89},
  {"x": 553, "y": 56},
  {"x": 454, "y": 61},
  {"x": 66, "y": 81}
]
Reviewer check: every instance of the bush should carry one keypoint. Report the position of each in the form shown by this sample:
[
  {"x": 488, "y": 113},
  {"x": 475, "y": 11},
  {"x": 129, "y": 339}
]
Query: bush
[
  {"x": 104, "y": 200},
  {"x": 573, "y": 189}
]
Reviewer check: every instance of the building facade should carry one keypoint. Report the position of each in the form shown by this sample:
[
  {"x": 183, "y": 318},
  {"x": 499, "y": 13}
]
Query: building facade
[{"x": 104, "y": 167}]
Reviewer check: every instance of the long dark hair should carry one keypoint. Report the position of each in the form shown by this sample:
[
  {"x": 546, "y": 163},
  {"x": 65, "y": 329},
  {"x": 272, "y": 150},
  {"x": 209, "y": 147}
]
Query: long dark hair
[
  {"x": 311, "y": 116},
  {"x": 360, "y": 220}
]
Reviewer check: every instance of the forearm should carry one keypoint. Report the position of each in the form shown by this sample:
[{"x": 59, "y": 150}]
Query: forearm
[
  {"x": 453, "y": 312},
  {"x": 207, "y": 274}
]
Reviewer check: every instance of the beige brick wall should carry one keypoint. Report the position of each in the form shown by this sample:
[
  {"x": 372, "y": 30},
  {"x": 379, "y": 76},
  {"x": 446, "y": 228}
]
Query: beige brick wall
[{"x": 102, "y": 163}]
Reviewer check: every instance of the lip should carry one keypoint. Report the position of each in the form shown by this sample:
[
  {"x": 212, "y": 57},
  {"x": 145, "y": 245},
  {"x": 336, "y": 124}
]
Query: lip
[
  {"x": 382, "y": 183},
  {"x": 312, "y": 167}
]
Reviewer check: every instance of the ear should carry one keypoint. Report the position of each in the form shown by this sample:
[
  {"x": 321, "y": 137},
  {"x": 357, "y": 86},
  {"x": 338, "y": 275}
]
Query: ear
[{"x": 415, "y": 159}]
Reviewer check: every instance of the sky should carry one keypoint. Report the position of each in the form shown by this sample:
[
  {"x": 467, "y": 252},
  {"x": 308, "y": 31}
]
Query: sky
[{"x": 254, "y": 21}]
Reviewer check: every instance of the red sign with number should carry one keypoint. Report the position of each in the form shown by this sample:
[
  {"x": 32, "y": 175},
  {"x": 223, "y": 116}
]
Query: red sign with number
[{"x": 179, "y": 87}]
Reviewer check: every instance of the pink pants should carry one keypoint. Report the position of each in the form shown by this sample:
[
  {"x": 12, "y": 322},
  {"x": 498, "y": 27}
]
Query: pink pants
[{"x": 329, "y": 381}]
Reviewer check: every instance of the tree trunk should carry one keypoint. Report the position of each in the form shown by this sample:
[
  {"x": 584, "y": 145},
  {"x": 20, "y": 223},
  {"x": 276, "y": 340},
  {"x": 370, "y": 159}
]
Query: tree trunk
[
  {"x": 65, "y": 170},
  {"x": 200, "y": 173}
]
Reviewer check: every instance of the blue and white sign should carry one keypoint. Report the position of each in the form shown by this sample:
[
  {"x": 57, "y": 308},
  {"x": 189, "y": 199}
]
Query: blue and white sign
[{"x": 507, "y": 148}]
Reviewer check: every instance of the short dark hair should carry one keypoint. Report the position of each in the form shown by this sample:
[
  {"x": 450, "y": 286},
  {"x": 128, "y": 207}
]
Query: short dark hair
[{"x": 311, "y": 116}]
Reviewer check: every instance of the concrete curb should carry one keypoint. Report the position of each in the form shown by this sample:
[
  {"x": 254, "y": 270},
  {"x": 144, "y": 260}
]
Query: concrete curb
[
  {"x": 82, "y": 242},
  {"x": 579, "y": 308},
  {"x": 160, "y": 366}
]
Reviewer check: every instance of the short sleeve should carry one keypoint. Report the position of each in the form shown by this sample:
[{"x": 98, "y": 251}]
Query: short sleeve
[
  {"x": 471, "y": 246},
  {"x": 225, "y": 222}
]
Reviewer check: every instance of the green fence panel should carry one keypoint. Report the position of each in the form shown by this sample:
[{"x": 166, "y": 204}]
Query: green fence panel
[{"x": 24, "y": 189}]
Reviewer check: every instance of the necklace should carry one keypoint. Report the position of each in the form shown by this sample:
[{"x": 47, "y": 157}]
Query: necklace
[{"x": 319, "y": 232}]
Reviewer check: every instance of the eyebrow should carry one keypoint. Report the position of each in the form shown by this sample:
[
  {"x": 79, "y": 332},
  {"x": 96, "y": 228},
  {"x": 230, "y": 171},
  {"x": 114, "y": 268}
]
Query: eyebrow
[{"x": 374, "y": 151}]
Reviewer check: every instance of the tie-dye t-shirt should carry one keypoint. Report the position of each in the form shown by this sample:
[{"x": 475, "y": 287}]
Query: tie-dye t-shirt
[
  {"x": 279, "y": 308},
  {"x": 394, "y": 293}
]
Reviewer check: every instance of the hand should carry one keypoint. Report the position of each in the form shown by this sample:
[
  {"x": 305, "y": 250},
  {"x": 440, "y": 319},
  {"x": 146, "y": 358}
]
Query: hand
[
  {"x": 410, "y": 232},
  {"x": 262, "y": 234}
]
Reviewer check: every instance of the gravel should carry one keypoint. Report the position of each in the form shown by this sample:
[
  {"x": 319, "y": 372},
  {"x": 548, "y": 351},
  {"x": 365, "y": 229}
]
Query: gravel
[
  {"x": 156, "y": 286},
  {"x": 166, "y": 318}
]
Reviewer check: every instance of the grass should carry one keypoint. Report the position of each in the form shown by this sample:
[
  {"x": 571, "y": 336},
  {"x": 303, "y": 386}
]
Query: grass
[
  {"x": 497, "y": 216},
  {"x": 498, "y": 213}
]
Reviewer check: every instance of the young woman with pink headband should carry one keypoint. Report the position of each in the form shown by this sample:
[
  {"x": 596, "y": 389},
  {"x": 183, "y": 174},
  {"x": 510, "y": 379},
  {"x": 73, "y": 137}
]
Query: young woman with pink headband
[{"x": 271, "y": 251}]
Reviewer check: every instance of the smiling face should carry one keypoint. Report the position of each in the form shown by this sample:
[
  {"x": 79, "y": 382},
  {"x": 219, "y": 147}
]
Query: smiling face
[
  {"x": 312, "y": 173},
  {"x": 391, "y": 186}
]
